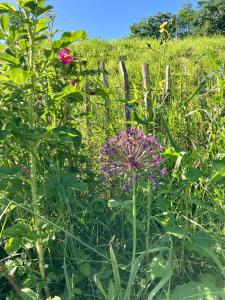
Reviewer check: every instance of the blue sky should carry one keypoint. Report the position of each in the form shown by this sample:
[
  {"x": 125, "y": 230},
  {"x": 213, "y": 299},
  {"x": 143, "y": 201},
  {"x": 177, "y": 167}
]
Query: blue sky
[{"x": 107, "y": 19}]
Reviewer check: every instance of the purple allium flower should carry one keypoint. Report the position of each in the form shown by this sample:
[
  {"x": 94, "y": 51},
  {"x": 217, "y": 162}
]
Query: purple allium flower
[{"x": 129, "y": 151}]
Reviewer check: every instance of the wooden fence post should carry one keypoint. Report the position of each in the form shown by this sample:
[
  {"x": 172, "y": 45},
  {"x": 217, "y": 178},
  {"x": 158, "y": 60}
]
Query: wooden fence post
[
  {"x": 126, "y": 84},
  {"x": 168, "y": 83},
  {"x": 88, "y": 109},
  {"x": 105, "y": 81},
  {"x": 147, "y": 87}
]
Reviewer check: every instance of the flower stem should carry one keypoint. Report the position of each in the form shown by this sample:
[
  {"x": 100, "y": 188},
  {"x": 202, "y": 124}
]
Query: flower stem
[
  {"x": 134, "y": 217},
  {"x": 148, "y": 217}
]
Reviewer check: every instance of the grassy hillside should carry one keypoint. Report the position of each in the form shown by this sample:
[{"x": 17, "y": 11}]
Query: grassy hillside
[{"x": 192, "y": 61}]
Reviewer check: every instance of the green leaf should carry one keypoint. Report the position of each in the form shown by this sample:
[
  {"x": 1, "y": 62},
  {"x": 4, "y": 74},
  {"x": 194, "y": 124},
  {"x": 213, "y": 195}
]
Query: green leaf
[
  {"x": 42, "y": 24},
  {"x": 69, "y": 93},
  {"x": 133, "y": 275},
  {"x": 9, "y": 58},
  {"x": 159, "y": 286},
  {"x": 18, "y": 76},
  {"x": 159, "y": 267},
  {"x": 31, "y": 6},
  {"x": 205, "y": 289},
  {"x": 5, "y": 23},
  {"x": 171, "y": 152},
  {"x": 193, "y": 175},
  {"x": 42, "y": 10},
  {"x": 9, "y": 171},
  {"x": 68, "y": 135},
  {"x": 100, "y": 287},
  {"x": 28, "y": 294},
  {"x": 203, "y": 243},
  {"x": 177, "y": 231},
  {"x": 12, "y": 245},
  {"x": 16, "y": 230},
  {"x": 111, "y": 290},
  {"x": 32, "y": 236},
  {"x": 6, "y": 8},
  {"x": 195, "y": 92},
  {"x": 68, "y": 38},
  {"x": 33, "y": 134},
  {"x": 115, "y": 268}
]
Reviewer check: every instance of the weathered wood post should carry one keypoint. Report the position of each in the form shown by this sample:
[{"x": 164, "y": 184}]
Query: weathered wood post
[
  {"x": 147, "y": 88},
  {"x": 168, "y": 83},
  {"x": 105, "y": 81},
  {"x": 88, "y": 109},
  {"x": 126, "y": 84}
]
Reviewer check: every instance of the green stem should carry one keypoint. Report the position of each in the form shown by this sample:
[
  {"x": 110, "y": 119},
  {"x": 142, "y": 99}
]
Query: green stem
[
  {"x": 134, "y": 218},
  {"x": 34, "y": 155},
  {"x": 148, "y": 218}
]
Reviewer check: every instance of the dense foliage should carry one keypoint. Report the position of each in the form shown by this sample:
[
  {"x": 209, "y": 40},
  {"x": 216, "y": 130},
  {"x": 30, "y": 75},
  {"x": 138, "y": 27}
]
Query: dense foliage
[
  {"x": 65, "y": 231},
  {"x": 207, "y": 20}
]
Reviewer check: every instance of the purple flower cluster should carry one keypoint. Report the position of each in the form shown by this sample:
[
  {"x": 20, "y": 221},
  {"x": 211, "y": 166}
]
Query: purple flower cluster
[{"x": 132, "y": 151}]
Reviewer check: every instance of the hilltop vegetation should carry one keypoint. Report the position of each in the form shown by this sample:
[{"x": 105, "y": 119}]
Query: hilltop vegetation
[{"x": 207, "y": 19}]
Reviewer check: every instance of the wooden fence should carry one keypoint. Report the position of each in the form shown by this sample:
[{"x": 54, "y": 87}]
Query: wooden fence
[{"x": 126, "y": 86}]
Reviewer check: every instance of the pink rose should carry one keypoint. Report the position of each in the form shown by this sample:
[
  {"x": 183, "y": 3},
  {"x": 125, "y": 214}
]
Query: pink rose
[{"x": 65, "y": 58}]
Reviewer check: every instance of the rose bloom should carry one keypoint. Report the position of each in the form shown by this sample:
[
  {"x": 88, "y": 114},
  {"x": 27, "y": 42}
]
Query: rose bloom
[{"x": 65, "y": 58}]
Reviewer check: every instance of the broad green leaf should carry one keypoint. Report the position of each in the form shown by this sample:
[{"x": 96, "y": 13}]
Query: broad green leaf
[
  {"x": 18, "y": 76},
  {"x": 69, "y": 93},
  {"x": 68, "y": 135},
  {"x": 33, "y": 134},
  {"x": 42, "y": 10},
  {"x": 9, "y": 58},
  {"x": 159, "y": 267},
  {"x": 12, "y": 245},
  {"x": 9, "y": 171},
  {"x": 16, "y": 230},
  {"x": 6, "y": 8},
  {"x": 204, "y": 289},
  {"x": 31, "y": 6},
  {"x": 193, "y": 175},
  {"x": 42, "y": 24},
  {"x": 28, "y": 294},
  {"x": 32, "y": 236},
  {"x": 171, "y": 152},
  {"x": 203, "y": 243},
  {"x": 4, "y": 23},
  {"x": 70, "y": 37}
]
